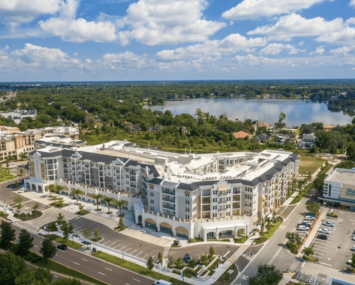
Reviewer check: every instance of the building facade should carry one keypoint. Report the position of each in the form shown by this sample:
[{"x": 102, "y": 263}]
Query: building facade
[
  {"x": 339, "y": 188},
  {"x": 188, "y": 195}
]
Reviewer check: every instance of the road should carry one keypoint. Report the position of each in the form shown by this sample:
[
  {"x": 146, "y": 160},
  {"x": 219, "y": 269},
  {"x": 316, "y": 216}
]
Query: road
[
  {"x": 86, "y": 264},
  {"x": 275, "y": 251}
]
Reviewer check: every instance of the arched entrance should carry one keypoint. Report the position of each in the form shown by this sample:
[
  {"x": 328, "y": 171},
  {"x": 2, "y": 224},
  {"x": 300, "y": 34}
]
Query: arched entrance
[
  {"x": 166, "y": 228},
  {"x": 39, "y": 188},
  {"x": 182, "y": 232},
  {"x": 34, "y": 187},
  {"x": 211, "y": 235},
  {"x": 150, "y": 224},
  {"x": 226, "y": 234},
  {"x": 139, "y": 219},
  {"x": 28, "y": 186}
]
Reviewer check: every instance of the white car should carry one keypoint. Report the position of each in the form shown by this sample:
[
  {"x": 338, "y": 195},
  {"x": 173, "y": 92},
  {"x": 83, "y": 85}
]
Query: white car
[
  {"x": 302, "y": 228},
  {"x": 353, "y": 238},
  {"x": 324, "y": 231},
  {"x": 21, "y": 190},
  {"x": 353, "y": 248},
  {"x": 328, "y": 224}
]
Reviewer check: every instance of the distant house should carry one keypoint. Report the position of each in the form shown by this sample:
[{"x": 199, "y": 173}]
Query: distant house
[
  {"x": 262, "y": 138},
  {"x": 328, "y": 128},
  {"x": 261, "y": 124},
  {"x": 282, "y": 139},
  {"x": 266, "y": 96},
  {"x": 307, "y": 141},
  {"x": 4, "y": 130},
  {"x": 273, "y": 96},
  {"x": 242, "y": 135}
]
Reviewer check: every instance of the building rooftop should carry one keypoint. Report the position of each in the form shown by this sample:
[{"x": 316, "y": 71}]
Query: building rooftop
[{"x": 341, "y": 175}]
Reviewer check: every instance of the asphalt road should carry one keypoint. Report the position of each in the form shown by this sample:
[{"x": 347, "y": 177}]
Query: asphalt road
[
  {"x": 98, "y": 269},
  {"x": 275, "y": 251}
]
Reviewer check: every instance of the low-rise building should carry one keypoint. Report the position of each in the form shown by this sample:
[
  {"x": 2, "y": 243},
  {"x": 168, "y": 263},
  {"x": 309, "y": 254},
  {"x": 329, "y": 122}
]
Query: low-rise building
[
  {"x": 328, "y": 128},
  {"x": 307, "y": 141},
  {"x": 211, "y": 195},
  {"x": 18, "y": 115},
  {"x": 339, "y": 188},
  {"x": 261, "y": 138}
]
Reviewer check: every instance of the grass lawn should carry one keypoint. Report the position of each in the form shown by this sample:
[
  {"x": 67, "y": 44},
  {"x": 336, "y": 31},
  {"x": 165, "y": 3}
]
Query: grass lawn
[
  {"x": 52, "y": 265},
  {"x": 241, "y": 240},
  {"x": 272, "y": 230},
  {"x": 68, "y": 243},
  {"x": 3, "y": 215},
  {"x": 5, "y": 175},
  {"x": 136, "y": 268},
  {"x": 26, "y": 217},
  {"x": 82, "y": 212},
  {"x": 309, "y": 163},
  {"x": 302, "y": 193},
  {"x": 227, "y": 278}
]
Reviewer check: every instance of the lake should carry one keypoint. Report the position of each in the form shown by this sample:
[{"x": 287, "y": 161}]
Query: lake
[{"x": 265, "y": 110}]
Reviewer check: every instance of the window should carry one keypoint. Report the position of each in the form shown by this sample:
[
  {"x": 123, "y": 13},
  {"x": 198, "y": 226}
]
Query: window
[
  {"x": 214, "y": 207},
  {"x": 187, "y": 195},
  {"x": 187, "y": 209},
  {"x": 247, "y": 196},
  {"x": 228, "y": 213},
  {"x": 214, "y": 215},
  {"x": 151, "y": 201},
  {"x": 215, "y": 192},
  {"x": 330, "y": 190},
  {"x": 214, "y": 200},
  {"x": 249, "y": 189},
  {"x": 152, "y": 208},
  {"x": 151, "y": 194},
  {"x": 151, "y": 187},
  {"x": 187, "y": 217},
  {"x": 187, "y": 202}
]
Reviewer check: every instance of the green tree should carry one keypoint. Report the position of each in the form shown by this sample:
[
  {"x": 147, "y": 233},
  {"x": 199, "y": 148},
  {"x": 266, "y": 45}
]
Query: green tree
[
  {"x": 65, "y": 229},
  {"x": 150, "y": 263},
  {"x": 60, "y": 218},
  {"x": 76, "y": 193},
  {"x": 160, "y": 258},
  {"x": 293, "y": 238},
  {"x": 211, "y": 251},
  {"x": 36, "y": 276},
  {"x": 7, "y": 234},
  {"x": 18, "y": 200},
  {"x": 25, "y": 242},
  {"x": 120, "y": 204},
  {"x": 11, "y": 266},
  {"x": 97, "y": 197},
  {"x": 313, "y": 207},
  {"x": 108, "y": 200},
  {"x": 16, "y": 185},
  {"x": 308, "y": 251},
  {"x": 21, "y": 172},
  {"x": 86, "y": 232},
  {"x": 35, "y": 206},
  {"x": 48, "y": 249},
  {"x": 96, "y": 233},
  {"x": 67, "y": 281},
  {"x": 121, "y": 225},
  {"x": 266, "y": 275}
]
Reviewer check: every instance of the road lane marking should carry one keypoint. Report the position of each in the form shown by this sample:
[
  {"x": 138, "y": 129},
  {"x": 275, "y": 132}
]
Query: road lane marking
[
  {"x": 83, "y": 259},
  {"x": 76, "y": 263},
  {"x": 303, "y": 264},
  {"x": 108, "y": 269},
  {"x": 36, "y": 246},
  {"x": 101, "y": 273},
  {"x": 326, "y": 264},
  {"x": 136, "y": 280}
]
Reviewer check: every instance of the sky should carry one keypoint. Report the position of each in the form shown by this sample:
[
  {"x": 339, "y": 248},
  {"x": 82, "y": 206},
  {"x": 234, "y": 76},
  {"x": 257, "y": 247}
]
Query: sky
[{"x": 120, "y": 40}]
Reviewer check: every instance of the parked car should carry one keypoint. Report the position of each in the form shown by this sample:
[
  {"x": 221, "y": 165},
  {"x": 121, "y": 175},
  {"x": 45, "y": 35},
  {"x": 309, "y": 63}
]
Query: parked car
[
  {"x": 353, "y": 238},
  {"x": 162, "y": 282},
  {"x": 187, "y": 258},
  {"x": 62, "y": 247},
  {"x": 306, "y": 223},
  {"x": 302, "y": 228},
  {"x": 312, "y": 215},
  {"x": 324, "y": 237},
  {"x": 353, "y": 248},
  {"x": 21, "y": 190},
  {"x": 328, "y": 224},
  {"x": 353, "y": 234},
  {"x": 309, "y": 218},
  {"x": 324, "y": 231}
]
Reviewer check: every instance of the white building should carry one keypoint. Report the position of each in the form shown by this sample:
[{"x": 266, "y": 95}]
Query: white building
[
  {"x": 18, "y": 115},
  {"x": 189, "y": 195},
  {"x": 339, "y": 188}
]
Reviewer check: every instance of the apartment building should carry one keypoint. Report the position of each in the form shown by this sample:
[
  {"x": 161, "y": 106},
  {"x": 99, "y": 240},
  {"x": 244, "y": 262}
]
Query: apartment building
[{"x": 188, "y": 195}]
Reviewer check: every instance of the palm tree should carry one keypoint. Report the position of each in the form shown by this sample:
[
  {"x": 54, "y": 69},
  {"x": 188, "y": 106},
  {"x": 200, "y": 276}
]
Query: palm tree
[
  {"x": 50, "y": 188},
  {"x": 108, "y": 200},
  {"x": 76, "y": 193},
  {"x": 120, "y": 204},
  {"x": 97, "y": 197}
]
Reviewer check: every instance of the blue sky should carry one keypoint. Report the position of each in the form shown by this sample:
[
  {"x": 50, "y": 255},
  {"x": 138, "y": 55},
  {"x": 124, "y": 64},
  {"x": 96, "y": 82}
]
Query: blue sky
[{"x": 56, "y": 40}]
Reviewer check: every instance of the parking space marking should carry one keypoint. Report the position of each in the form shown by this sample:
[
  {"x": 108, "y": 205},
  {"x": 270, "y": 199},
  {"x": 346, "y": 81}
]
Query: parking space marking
[
  {"x": 117, "y": 246},
  {"x": 326, "y": 264},
  {"x": 127, "y": 250},
  {"x": 139, "y": 253},
  {"x": 104, "y": 243},
  {"x": 122, "y": 248}
]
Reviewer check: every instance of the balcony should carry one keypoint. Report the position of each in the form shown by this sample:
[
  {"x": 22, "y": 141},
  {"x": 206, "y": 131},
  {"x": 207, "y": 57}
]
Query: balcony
[
  {"x": 169, "y": 192},
  {"x": 206, "y": 201},
  {"x": 168, "y": 206},
  {"x": 224, "y": 193},
  {"x": 206, "y": 209},
  {"x": 168, "y": 199},
  {"x": 206, "y": 194},
  {"x": 222, "y": 201}
]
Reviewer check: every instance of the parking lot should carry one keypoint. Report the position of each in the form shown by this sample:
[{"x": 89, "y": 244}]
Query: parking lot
[{"x": 335, "y": 251}]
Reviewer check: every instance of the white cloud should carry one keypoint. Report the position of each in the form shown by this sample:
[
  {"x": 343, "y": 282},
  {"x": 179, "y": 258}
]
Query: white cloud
[
  {"x": 275, "y": 48},
  {"x": 251, "y": 9},
  {"x": 319, "y": 51},
  {"x": 16, "y": 12},
  {"x": 342, "y": 50},
  {"x": 352, "y": 3},
  {"x": 123, "y": 60},
  {"x": 78, "y": 30},
  {"x": 295, "y": 25},
  {"x": 260, "y": 60},
  {"x": 213, "y": 49},
  {"x": 155, "y": 22}
]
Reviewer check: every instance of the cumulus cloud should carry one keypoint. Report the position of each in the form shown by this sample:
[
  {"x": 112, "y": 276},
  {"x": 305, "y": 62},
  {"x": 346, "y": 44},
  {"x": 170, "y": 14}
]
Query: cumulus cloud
[
  {"x": 78, "y": 30},
  {"x": 251, "y": 9},
  {"x": 275, "y": 48},
  {"x": 319, "y": 51},
  {"x": 155, "y": 22},
  {"x": 260, "y": 60},
  {"x": 16, "y": 12},
  {"x": 123, "y": 60},
  {"x": 352, "y": 3},
  {"x": 213, "y": 49},
  {"x": 342, "y": 50},
  {"x": 295, "y": 25}
]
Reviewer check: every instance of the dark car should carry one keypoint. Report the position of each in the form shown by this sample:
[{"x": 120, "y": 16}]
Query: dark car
[
  {"x": 187, "y": 258},
  {"x": 62, "y": 247},
  {"x": 310, "y": 214},
  {"x": 322, "y": 237}
]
